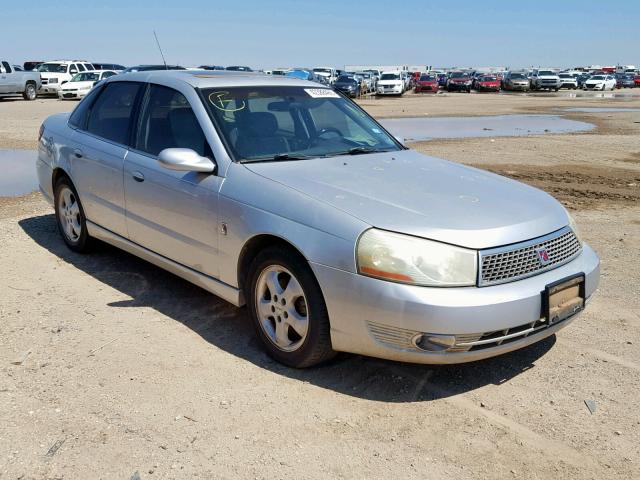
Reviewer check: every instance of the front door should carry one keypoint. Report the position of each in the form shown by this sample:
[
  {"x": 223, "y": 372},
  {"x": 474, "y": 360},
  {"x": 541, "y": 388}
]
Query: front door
[{"x": 171, "y": 213}]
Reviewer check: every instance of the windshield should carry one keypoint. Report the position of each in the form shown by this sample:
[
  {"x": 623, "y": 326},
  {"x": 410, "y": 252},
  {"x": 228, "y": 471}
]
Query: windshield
[
  {"x": 345, "y": 79},
  {"x": 489, "y": 79},
  {"x": 459, "y": 75},
  {"x": 427, "y": 78},
  {"x": 287, "y": 123},
  {"x": 517, "y": 76},
  {"x": 545, "y": 73},
  {"x": 52, "y": 68},
  {"x": 322, "y": 70},
  {"x": 565, "y": 75},
  {"x": 390, "y": 76},
  {"x": 597, "y": 77},
  {"x": 86, "y": 77}
]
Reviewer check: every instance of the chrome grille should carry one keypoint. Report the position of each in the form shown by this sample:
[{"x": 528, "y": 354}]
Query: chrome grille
[
  {"x": 393, "y": 336},
  {"x": 518, "y": 261}
]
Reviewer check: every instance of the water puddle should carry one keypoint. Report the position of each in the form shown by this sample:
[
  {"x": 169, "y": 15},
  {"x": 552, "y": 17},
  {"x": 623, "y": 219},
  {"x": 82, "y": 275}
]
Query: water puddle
[
  {"x": 418, "y": 129},
  {"x": 18, "y": 175},
  {"x": 600, "y": 109}
]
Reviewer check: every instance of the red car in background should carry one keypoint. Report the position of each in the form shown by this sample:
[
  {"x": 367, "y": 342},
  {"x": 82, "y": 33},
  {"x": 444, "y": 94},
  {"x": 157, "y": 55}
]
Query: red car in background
[
  {"x": 637, "y": 80},
  {"x": 427, "y": 83},
  {"x": 488, "y": 83}
]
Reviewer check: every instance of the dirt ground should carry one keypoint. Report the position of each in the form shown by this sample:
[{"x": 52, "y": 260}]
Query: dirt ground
[{"x": 111, "y": 368}]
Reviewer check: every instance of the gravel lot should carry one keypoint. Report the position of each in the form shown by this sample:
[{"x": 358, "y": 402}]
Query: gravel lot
[{"x": 110, "y": 366}]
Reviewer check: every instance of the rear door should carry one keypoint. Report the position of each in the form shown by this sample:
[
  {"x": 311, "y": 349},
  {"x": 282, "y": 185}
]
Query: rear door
[
  {"x": 8, "y": 79},
  {"x": 100, "y": 145},
  {"x": 174, "y": 214}
]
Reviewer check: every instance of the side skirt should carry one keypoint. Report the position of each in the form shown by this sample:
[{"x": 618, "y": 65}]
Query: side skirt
[{"x": 218, "y": 288}]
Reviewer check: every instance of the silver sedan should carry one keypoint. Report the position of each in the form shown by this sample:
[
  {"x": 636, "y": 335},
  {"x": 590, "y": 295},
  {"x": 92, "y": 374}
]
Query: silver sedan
[{"x": 285, "y": 196}]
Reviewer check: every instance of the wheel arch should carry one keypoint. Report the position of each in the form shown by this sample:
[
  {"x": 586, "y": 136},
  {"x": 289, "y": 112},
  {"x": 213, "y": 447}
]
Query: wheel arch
[
  {"x": 254, "y": 246},
  {"x": 57, "y": 174}
]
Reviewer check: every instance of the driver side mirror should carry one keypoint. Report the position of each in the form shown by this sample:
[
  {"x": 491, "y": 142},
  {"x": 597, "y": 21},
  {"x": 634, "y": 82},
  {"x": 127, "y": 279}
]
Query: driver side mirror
[{"x": 185, "y": 160}]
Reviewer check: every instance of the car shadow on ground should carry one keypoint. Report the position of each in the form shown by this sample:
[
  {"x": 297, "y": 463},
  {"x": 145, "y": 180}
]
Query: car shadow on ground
[{"x": 229, "y": 328}]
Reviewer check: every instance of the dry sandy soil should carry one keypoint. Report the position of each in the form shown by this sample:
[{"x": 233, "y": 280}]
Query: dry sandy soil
[{"x": 111, "y": 368}]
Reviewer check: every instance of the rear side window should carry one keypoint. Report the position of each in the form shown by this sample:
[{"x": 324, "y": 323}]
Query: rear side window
[
  {"x": 110, "y": 116},
  {"x": 78, "y": 118},
  {"x": 6, "y": 67},
  {"x": 167, "y": 121}
]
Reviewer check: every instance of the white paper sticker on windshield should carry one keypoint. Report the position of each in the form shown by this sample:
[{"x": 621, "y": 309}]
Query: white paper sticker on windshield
[{"x": 321, "y": 93}]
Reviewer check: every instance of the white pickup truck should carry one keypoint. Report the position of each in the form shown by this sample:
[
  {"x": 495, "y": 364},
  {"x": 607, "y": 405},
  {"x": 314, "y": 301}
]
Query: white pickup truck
[{"x": 14, "y": 83}]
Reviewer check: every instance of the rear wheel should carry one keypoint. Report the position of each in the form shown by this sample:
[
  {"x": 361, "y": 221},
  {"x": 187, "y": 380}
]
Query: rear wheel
[
  {"x": 30, "y": 93},
  {"x": 288, "y": 309},
  {"x": 70, "y": 217}
]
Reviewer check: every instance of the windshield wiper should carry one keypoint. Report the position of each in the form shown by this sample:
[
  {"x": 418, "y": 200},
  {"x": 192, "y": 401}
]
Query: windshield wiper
[
  {"x": 360, "y": 151},
  {"x": 276, "y": 158}
]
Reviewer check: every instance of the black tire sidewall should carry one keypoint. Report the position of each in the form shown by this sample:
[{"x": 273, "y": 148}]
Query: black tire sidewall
[{"x": 317, "y": 346}]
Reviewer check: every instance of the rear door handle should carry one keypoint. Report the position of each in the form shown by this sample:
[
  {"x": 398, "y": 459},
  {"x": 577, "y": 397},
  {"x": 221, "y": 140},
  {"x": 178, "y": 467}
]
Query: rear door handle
[
  {"x": 138, "y": 176},
  {"x": 77, "y": 153}
]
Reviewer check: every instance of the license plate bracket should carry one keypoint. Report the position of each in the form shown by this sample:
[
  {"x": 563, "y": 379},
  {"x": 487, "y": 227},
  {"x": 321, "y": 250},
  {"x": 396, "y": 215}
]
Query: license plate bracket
[{"x": 563, "y": 299}]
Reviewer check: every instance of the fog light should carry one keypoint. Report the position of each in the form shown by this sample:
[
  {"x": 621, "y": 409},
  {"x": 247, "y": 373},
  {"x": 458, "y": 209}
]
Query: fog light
[{"x": 434, "y": 342}]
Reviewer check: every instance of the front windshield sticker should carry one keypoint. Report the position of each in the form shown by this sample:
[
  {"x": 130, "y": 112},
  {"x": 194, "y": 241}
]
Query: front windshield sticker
[
  {"x": 221, "y": 101},
  {"x": 321, "y": 93}
]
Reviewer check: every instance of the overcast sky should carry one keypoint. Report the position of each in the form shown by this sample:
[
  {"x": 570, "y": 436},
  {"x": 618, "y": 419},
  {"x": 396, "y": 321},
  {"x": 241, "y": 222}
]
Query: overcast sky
[{"x": 263, "y": 34}]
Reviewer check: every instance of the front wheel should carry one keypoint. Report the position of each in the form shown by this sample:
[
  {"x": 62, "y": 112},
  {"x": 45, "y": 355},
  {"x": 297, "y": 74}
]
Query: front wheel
[
  {"x": 288, "y": 309},
  {"x": 70, "y": 217},
  {"x": 30, "y": 93}
]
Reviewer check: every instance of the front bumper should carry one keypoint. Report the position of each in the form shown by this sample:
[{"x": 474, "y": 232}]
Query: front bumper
[
  {"x": 389, "y": 90},
  {"x": 379, "y": 318},
  {"x": 49, "y": 89},
  {"x": 458, "y": 86},
  {"x": 71, "y": 94}
]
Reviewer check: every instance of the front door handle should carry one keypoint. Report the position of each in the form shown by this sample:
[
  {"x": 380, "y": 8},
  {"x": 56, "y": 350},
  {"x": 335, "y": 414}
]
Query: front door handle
[
  {"x": 77, "y": 153},
  {"x": 138, "y": 176}
]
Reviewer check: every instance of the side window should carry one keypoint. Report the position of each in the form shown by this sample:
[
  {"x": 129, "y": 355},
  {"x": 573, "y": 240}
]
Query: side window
[
  {"x": 6, "y": 67},
  {"x": 167, "y": 121},
  {"x": 88, "y": 66},
  {"x": 110, "y": 115},
  {"x": 72, "y": 69},
  {"x": 108, "y": 74},
  {"x": 78, "y": 118}
]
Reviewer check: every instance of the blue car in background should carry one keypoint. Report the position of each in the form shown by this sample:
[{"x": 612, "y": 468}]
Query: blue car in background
[
  {"x": 304, "y": 74},
  {"x": 442, "y": 79}
]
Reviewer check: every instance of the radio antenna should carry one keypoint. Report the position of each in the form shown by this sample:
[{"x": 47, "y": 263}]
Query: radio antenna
[{"x": 160, "y": 48}]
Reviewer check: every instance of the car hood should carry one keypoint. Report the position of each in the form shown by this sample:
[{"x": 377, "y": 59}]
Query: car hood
[
  {"x": 411, "y": 193},
  {"x": 390, "y": 82}
]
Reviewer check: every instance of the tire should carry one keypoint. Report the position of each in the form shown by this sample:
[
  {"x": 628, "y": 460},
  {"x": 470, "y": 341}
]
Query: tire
[
  {"x": 287, "y": 308},
  {"x": 70, "y": 217},
  {"x": 30, "y": 92}
]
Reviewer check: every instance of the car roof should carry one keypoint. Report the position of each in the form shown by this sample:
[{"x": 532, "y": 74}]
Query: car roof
[{"x": 214, "y": 78}]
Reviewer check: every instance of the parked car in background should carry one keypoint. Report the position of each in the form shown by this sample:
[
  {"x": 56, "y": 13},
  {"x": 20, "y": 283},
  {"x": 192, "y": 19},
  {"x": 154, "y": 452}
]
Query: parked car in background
[
  {"x": 109, "y": 66},
  {"x": 149, "y": 68},
  {"x": 82, "y": 83},
  {"x": 442, "y": 79},
  {"x": 427, "y": 83},
  {"x": 391, "y": 83},
  {"x": 303, "y": 74},
  {"x": 516, "y": 81},
  {"x": 334, "y": 235},
  {"x": 488, "y": 83},
  {"x": 14, "y": 82},
  {"x": 625, "y": 80},
  {"x": 279, "y": 71},
  {"x": 367, "y": 81},
  {"x": 583, "y": 77},
  {"x": 459, "y": 81},
  {"x": 636, "y": 80},
  {"x": 347, "y": 85},
  {"x": 328, "y": 74},
  {"x": 53, "y": 74},
  {"x": 568, "y": 81},
  {"x": 239, "y": 68},
  {"x": 545, "y": 80},
  {"x": 211, "y": 67},
  {"x": 600, "y": 82}
]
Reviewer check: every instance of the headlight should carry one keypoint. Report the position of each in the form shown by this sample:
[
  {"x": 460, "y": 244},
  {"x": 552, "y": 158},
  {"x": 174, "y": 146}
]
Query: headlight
[{"x": 413, "y": 260}]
